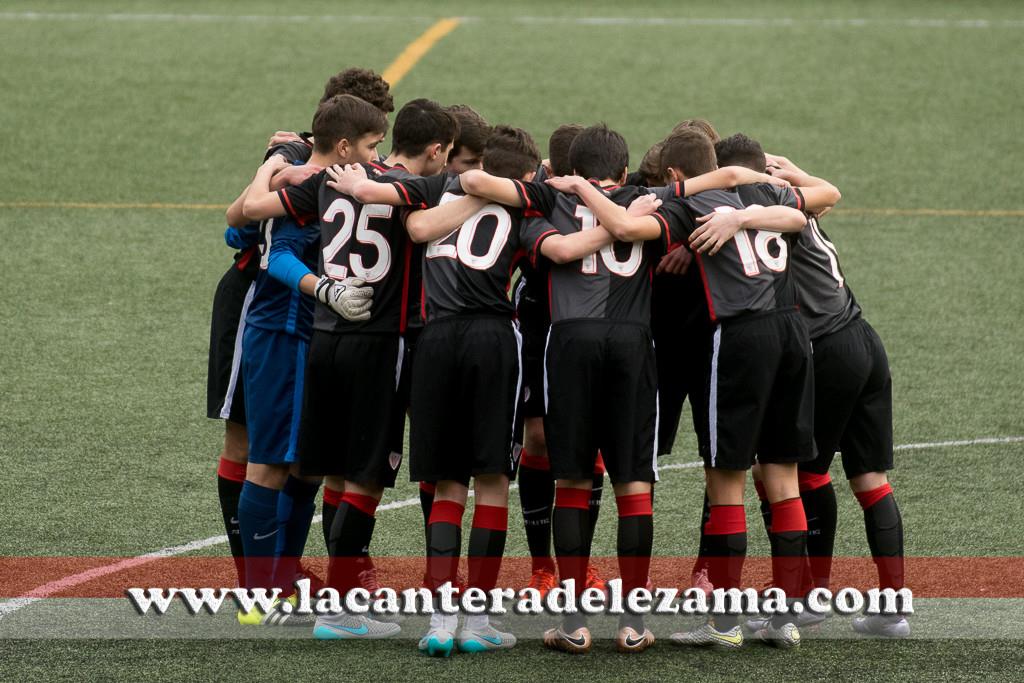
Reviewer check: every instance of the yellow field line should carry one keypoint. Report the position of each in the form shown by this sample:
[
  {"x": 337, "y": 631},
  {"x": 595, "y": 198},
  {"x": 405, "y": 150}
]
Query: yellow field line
[
  {"x": 969, "y": 213},
  {"x": 416, "y": 49},
  {"x": 964, "y": 213},
  {"x": 111, "y": 205}
]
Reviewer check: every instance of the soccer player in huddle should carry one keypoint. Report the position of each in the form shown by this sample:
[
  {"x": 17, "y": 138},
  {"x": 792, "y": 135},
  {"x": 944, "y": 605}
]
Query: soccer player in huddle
[
  {"x": 466, "y": 153},
  {"x": 276, "y": 505},
  {"x": 601, "y": 384},
  {"x": 225, "y": 383},
  {"x": 853, "y": 398},
  {"x": 759, "y": 382},
  {"x": 536, "y": 485},
  {"x": 355, "y": 439},
  {"x": 469, "y": 370}
]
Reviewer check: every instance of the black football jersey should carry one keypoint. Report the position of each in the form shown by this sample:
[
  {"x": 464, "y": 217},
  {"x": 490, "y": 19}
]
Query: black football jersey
[
  {"x": 615, "y": 282},
  {"x": 826, "y": 303},
  {"x": 749, "y": 275},
  {"x": 469, "y": 271},
  {"x": 365, "y": 241}
]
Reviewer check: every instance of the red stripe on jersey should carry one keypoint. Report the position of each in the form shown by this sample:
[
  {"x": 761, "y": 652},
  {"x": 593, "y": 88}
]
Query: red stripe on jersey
[
  {"x": 382, "y": 169},
  {"x": 400, "y": 186},
  {"x": 678, "y": 189},
  {"x": 536, "y": 245},
  {"x": 707, "y": 288},
  {"x": 404, "y": 316},
  {"x": 283, "y": 193},
  {"x": 550, "y": 307},
  {"x": 664, "y": 227},
  {"x": 423, "y": 300},
  {"x": 522, "y": 193},
  {"x": 800, "y": 201},
  {"x": 244, "y": 259}
]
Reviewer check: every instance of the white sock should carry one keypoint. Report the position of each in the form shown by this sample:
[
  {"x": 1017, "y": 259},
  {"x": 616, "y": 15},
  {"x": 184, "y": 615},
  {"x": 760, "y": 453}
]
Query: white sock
[
  {"x": 447, "y": 622},
  {"x": 477, "y": 622}
]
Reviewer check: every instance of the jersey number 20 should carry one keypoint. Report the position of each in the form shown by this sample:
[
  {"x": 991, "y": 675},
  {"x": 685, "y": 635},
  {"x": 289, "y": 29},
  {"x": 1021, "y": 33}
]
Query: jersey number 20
[{"x": 462, "y": 250}]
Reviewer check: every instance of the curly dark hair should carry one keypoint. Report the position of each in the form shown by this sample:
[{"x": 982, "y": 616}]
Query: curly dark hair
[{"x": 363, "y": 83}]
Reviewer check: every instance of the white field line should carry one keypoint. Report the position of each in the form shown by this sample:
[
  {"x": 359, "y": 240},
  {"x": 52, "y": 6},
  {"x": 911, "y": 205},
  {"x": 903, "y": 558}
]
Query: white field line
[
  {"x": 902, "y": 447},
  {"x": 913, "y": 22},
  {"x": 58, "y": 585}
]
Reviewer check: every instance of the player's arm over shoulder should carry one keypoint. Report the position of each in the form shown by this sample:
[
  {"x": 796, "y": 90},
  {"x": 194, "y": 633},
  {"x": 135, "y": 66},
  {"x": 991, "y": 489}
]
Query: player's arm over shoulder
[
  {"x": 442, "y": 220},
  {"x": 500, "y": 190}
]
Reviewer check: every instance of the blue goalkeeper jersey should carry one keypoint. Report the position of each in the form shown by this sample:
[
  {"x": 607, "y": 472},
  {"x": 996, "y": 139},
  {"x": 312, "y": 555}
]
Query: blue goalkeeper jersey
[{"x": 287, "y": 252}]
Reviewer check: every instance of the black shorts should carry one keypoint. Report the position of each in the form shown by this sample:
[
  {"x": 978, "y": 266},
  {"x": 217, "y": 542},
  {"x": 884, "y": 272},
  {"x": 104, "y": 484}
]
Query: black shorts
[
  {"x": 353, "y": 408},
  {"x": 602, "y": 393},
  {"x": 682, "y": 331},
  {"x": 853, "y": 401},
  {"x": 225, "y": 391},
  {"x": 760, "y": 393},
  {"x": 465, "y": 391},
  {"x": 535, "y": 336}
]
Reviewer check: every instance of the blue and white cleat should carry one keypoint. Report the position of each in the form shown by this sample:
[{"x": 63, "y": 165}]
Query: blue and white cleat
[
  {"x": 440, "y": 639},
  {"x": 348, "y": 626},
  {"x": 438, "y": 643},
  {"x": 484, "y": 639}
]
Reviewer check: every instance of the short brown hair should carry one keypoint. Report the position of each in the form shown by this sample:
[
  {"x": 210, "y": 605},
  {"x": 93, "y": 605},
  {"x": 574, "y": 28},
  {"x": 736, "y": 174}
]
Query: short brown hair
[
  {"x": 421, "y": 123},
  {"x": 558, "y": 147},
  {"x": 739, "y": 150},
  {"x": 650, "y": 169},
  {"x": 364, "y": 84},
  {"x": 599, "y": 152},
  {"x": 510, "y": 153},
  {"x": 703, "y": 125},
  {"x": 473, "y": 130},
  {"x": 345, "y": 117},
  {"x": 690, "y": 151}
]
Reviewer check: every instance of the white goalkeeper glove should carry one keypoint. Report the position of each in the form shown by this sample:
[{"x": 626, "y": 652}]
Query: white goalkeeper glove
[{"x": 347, "y": 297}]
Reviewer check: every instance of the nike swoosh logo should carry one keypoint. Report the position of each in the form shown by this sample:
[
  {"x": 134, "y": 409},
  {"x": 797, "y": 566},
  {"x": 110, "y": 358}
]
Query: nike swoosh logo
[
  {"x": 234, "y": 520},
  {"x": 493, "y": 640},
  {"x": 361, "y": 631},
  {"x": 530, "y": 512},
  {"x": 734, "y": 639},
  {"x": 257, "y": 537},
  {"x": 633, "y": 643},
  {"x": 578, "y": 642}
]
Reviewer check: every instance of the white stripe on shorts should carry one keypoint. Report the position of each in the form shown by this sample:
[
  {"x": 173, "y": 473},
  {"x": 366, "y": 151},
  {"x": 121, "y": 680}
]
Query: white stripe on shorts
[
  {"x": 547, "y": 342},
  {"x": 236, "y": 358},
  {"x": 398, "y": 364},
  {"x": 519, "y": 389},
  {"x": 713, "y": 397}
]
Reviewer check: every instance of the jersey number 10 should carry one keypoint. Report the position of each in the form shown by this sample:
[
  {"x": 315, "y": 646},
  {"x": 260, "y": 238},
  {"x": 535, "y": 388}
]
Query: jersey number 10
[{"x": 625, "y": 268}]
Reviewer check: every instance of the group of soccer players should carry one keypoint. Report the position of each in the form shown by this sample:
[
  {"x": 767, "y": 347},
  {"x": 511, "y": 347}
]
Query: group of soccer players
[{"x": 366, "y": 288}]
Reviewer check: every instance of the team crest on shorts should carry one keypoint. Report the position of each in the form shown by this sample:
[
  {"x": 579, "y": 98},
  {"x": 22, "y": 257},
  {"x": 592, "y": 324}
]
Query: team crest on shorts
[{"x": 395, "y": 459}]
